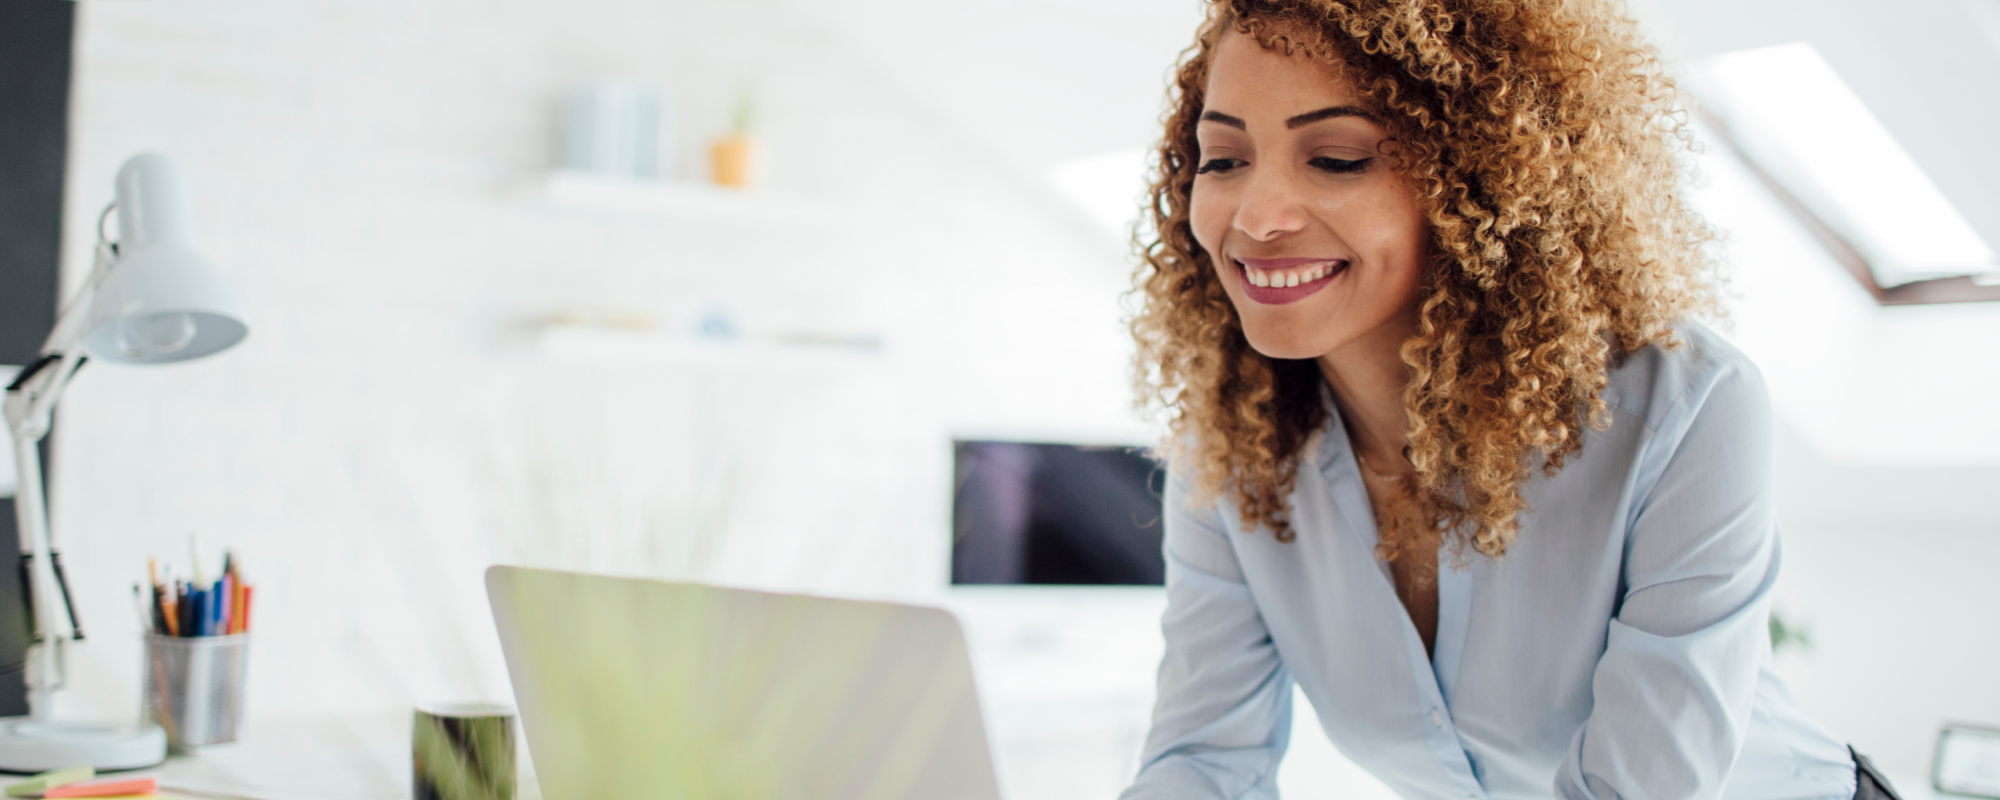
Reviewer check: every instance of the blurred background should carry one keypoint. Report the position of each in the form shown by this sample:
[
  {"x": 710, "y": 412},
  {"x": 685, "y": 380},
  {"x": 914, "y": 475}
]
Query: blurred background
[{"x": 502, "y": 313}]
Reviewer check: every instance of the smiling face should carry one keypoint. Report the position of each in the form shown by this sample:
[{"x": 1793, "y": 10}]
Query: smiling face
[{"x": 1315, "y": 237}]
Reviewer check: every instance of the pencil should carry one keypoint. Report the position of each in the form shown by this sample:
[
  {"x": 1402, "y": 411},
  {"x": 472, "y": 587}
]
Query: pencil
[
  {"x": 170, "y": 612},
  {"x": 187, "y": 607},
  {"x": 244, "y": 625},
  {"x": 139, "y": 606},
  {"x": 236, "y": 607}
]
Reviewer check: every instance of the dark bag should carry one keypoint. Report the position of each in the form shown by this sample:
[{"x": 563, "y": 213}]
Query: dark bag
[{"x": 1868, "y": 781}]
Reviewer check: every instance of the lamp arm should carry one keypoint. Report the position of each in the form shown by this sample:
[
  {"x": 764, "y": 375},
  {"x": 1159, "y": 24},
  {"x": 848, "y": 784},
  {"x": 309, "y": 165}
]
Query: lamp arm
[
  {"x": 68, "y": 330},
  {"x": 32, "y": 397}
]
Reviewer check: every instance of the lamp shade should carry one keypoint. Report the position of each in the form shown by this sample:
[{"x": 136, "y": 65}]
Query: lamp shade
[{"x": 162, "y": 301}]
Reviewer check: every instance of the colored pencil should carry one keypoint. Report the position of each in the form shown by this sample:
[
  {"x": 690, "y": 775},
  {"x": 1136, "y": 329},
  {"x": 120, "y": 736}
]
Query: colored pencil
[
  {"x": 170, "y": 612},
  {"x": 139, "y": 607},
  {"x": 199, "y": 612},
  {"x": 244, "y": 626},
  {"x": 185, "y": 608}
]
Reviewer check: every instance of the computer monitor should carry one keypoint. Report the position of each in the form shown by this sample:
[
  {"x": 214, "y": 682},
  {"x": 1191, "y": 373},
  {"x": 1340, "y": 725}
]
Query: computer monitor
[{"x": 1048, "y": 513}]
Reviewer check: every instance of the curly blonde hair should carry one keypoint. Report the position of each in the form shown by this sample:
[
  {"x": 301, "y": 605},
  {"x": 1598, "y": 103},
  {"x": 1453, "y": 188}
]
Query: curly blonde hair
[{"x": 1544, "y": 143}]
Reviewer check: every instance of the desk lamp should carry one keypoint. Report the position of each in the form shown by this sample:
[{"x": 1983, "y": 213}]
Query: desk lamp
[{"x": 150, "y": 299}]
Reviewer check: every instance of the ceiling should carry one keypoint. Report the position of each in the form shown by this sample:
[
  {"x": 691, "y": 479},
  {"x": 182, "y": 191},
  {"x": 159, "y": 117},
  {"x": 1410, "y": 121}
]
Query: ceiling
[
  {"x": 1041, "y": 82},
  {"x": 1929, "y": 70}
]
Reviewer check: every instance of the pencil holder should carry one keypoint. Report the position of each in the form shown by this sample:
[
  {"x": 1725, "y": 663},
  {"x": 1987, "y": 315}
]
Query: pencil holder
[{"x": 194, "y": 688}]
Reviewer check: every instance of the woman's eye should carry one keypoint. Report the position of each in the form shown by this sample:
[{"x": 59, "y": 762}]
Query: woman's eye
[
  {"x": 1217, "y": 165},
  {"x": 1340, "y": 166}
]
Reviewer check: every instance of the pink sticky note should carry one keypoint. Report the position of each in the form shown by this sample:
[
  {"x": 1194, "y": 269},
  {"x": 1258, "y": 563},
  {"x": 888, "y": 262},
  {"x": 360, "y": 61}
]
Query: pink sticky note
[{"x": 111, "y": 788}]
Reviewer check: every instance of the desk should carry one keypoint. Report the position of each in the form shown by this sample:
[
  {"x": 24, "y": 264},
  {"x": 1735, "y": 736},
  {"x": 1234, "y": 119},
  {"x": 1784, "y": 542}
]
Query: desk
[
  {"x": 360, "y": 757},
  {"x": 1914, "y": 787},
  {"x": 367, "y": 757}
]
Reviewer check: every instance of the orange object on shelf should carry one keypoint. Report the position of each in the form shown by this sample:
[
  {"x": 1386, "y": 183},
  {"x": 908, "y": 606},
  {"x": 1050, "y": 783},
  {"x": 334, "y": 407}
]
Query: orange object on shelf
[{"x": 732, "y": 160}]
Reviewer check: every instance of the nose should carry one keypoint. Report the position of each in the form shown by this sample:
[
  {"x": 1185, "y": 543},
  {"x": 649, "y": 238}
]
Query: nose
[{"x": 1270, "y": 206}]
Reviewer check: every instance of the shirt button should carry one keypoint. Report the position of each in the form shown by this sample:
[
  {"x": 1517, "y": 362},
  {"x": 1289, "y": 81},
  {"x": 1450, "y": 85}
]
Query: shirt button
[{"x": 1437, "y": 717}]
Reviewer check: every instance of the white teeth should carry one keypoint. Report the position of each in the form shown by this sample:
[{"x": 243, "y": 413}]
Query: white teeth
[{"x": 1286, "y": 278}]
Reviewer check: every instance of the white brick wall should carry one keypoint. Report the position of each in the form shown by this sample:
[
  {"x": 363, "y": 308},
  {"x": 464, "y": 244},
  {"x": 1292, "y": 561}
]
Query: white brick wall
[{"x": 358, "y": 169}]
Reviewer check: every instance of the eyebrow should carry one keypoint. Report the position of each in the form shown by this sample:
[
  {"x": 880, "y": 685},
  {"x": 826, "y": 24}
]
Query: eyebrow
[
  {"x": 1217, "y": 116},
  {"x": 1309, "y": 118},
  {"x": 1299, "y": 121}
]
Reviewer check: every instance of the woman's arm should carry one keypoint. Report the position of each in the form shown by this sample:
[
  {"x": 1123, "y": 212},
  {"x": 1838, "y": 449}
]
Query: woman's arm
[
  {"x": 1673, "y": 691},
  {"x": 1223, "y": 712}
]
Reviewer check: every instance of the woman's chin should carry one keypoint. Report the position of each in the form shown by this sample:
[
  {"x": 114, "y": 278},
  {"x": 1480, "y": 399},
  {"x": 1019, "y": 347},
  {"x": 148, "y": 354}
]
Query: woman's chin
[{"x": 1279, "y": 345}]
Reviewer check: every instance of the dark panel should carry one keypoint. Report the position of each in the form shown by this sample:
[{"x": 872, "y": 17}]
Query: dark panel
[
  {"x": 34, "y": 134},
  {"x": 35, "y": 38},
  {"x": 1055, "y": 514}
]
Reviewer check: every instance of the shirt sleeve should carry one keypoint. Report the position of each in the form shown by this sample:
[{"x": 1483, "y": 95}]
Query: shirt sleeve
[
  {"x": 1223, "y": 713},
  {"x": 1673, "y": 691}
]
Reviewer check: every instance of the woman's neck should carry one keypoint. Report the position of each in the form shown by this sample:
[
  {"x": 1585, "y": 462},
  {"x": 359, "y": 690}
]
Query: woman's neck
[{"x": 1368, "y": 377}]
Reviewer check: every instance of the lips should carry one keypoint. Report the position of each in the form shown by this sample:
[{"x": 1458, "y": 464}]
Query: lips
[{"x": 1277, "y": 281}]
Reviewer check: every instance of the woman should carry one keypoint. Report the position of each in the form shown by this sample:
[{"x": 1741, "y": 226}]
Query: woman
[{"x": 1446, "y": 450}]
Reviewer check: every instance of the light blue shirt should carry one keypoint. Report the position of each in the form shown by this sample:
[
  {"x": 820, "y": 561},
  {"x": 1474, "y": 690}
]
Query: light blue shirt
[{"x": 1618, "y": 650}]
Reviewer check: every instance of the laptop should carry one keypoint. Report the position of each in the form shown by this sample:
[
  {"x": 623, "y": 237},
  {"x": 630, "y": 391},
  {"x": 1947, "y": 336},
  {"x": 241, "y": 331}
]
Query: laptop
[{"x": 642, "y": 688}]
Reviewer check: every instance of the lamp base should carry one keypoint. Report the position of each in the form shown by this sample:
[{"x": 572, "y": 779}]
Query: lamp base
[{"x": 28, "y": 745}]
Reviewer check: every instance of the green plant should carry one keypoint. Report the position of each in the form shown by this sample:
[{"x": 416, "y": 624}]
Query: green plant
[{"x": 1788, "y": 635}]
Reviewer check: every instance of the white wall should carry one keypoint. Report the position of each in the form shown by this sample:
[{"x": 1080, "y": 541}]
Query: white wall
[
  {"x": 1898, "y": 603},
  {"x": 363, "y": 171},
  {"x": 1886, "y": 467}
]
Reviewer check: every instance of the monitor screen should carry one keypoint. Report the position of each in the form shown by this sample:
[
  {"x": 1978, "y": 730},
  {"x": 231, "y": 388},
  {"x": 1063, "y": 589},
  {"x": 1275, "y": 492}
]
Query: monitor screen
[{"x": 1027, "y": 513}]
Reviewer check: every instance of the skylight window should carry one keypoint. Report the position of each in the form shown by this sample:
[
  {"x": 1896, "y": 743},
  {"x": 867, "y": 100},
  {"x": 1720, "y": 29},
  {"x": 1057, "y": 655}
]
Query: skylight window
[{"x": 1793, "y": 114}]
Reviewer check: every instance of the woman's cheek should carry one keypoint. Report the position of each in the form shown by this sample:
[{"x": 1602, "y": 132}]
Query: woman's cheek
[{"x": 1203, "y": 218}]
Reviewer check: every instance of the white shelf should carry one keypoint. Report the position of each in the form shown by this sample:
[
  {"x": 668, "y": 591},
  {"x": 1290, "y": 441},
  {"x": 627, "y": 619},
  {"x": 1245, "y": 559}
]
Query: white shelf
[
  {"x": 602, "y": 344},
  {"x": 681, "y": 200}
]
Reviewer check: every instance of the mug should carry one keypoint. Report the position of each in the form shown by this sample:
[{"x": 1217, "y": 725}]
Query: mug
[{"x": 463, "y": 751}]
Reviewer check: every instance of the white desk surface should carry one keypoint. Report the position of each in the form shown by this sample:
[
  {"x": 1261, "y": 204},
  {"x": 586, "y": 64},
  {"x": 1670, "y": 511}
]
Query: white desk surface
[
  {"x": 363, "y": 757},
  {"x": 367, "y": 757}
]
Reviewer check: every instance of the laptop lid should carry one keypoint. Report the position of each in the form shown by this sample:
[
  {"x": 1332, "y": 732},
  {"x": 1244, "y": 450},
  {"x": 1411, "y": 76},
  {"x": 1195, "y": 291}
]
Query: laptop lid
[{"x": 641, "y": 688}]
